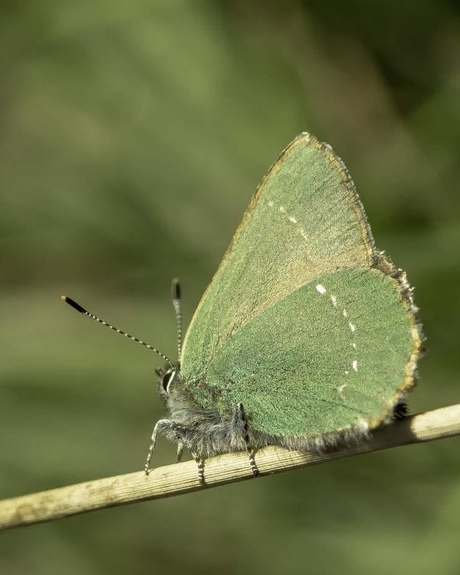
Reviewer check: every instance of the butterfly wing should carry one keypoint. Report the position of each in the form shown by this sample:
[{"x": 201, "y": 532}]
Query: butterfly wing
[{"x": 304, "y": 223}]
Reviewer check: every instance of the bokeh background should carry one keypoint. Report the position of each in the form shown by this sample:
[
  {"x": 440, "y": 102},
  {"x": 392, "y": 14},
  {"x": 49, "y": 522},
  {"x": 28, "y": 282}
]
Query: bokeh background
[{"x": 132, "y": 136}]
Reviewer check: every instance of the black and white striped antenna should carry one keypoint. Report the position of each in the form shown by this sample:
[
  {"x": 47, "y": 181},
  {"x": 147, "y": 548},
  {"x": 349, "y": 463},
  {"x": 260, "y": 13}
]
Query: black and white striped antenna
[
  {"x": 177, "y": 308},
  {"x": 176, "y": 299}
]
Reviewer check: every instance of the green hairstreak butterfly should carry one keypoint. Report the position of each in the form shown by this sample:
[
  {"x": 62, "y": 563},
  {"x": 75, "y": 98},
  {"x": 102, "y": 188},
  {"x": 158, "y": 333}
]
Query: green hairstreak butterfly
[{"x": 307, "y": 335}]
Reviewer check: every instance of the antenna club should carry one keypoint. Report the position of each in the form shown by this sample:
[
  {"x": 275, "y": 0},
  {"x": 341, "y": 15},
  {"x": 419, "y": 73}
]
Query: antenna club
[
  {"x": 175, "y": 289},
  {"x": 73, "y": 304}
]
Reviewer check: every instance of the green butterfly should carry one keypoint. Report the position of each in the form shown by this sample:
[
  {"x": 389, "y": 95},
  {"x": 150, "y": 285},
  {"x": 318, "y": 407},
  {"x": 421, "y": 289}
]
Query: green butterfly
[{"x": 306, "y": 337}]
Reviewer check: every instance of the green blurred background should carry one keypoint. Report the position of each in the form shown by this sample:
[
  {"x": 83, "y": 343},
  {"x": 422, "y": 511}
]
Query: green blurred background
[{"x": 132, "y": 136}]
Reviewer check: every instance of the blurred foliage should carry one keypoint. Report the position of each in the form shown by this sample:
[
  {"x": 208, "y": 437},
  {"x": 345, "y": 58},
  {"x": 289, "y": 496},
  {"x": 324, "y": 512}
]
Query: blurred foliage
[{"x": 132, "y": 135}]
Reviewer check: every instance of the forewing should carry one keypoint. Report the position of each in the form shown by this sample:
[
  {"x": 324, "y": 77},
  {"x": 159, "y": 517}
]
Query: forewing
[{"x": 305, "y": 220}]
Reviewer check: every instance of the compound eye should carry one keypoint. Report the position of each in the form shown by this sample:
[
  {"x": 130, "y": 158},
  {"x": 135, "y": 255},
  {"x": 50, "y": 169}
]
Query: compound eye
[{"x": 168, "y": 378}]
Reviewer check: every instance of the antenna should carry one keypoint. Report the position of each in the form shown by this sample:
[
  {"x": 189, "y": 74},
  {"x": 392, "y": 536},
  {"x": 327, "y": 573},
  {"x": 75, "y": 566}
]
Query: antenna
[
  {"x": 82, "y": 310},
  {"x": 176, "y": 299}
]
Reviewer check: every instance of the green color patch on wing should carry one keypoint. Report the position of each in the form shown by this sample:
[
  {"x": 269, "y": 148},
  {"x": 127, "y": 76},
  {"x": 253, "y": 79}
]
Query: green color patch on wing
[
  {"x": 305, "y": 220},
  {"x": 328, "y": 356}
]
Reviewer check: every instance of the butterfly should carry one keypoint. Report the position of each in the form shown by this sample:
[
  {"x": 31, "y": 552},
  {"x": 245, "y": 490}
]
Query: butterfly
[{"x": 307, "y": 336}]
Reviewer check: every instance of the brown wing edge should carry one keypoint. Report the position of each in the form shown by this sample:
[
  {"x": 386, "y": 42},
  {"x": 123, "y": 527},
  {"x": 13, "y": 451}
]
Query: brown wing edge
[{"x": 410, "y": 378}]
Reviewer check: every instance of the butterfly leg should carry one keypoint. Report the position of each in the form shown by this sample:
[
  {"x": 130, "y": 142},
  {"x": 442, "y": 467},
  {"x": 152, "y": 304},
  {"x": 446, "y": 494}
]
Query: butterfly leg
[
  {"x": 174, "y": 431},
  {"x": 400, "y": 410},
  {"x": 240, "y": 420},
  {"x": 167, "y": 427},
  {"x": 180, "y": 451},
  {"x": 200, "y": 464}
]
